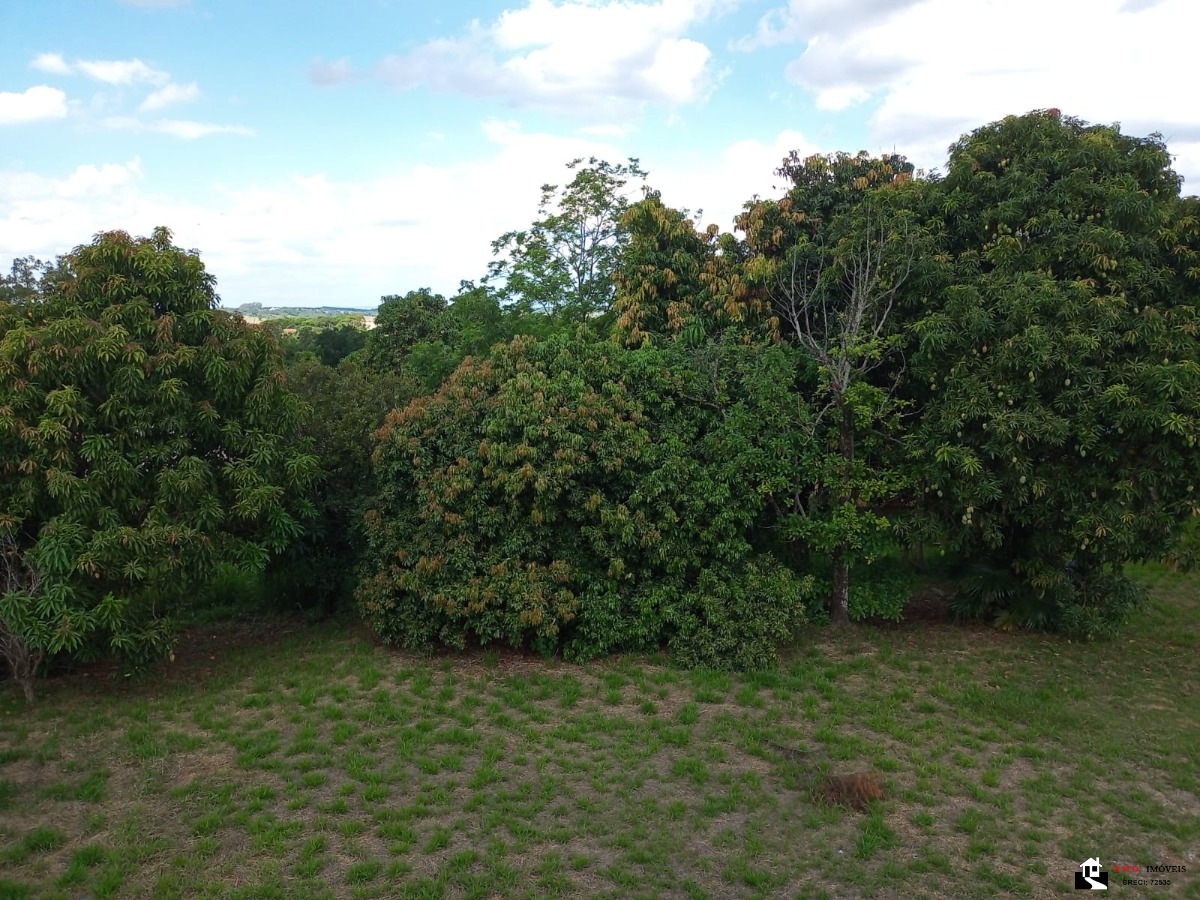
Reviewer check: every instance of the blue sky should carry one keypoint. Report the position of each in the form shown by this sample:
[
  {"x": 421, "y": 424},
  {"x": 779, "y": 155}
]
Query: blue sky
[{"x": 330, "y": 153}]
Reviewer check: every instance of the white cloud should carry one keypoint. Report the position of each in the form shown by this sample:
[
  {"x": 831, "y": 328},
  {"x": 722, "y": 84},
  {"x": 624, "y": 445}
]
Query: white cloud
[
  {"x": 180, "y": 128},
  {"x": 110, "y": 71},
  {"x": 170, "y": 93},
  {"x": 803, "y": 20},
  {"x": 843, "y": 75},
  {"x": 52, "y": 63},
  {"x": 606, "y": 130},
  {"x": 595, "y": 58},
  {"x": 46, "y": 215},
  {"x": 938, "y": 68},
  {"x": 189, "y": 131},
  {"x": 313, "y": 239},
  {"x": 34, "y": 104},
  {"x": 720, "y": 183},
  {"x": 121, "y": 71}
]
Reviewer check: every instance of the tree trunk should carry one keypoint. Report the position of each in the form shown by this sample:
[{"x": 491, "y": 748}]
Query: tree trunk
[
  {"x": 22, "y": 662},
  {"x": 839, "y": 606},
  {"x": 916, "y": 555},
  {"x": 839, "y": 609}
]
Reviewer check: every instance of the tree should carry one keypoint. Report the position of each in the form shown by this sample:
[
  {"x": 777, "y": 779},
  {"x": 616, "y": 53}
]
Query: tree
[
  {"x": 326, "y": 341},
  {"x": 401, "y": 323},
  {"x": 478, "y": 321},
  {"x": 413, "y": 335},
  {"x": 145, "y": 435},
  {"x": 23, "y": 278},
  {"x": 833, "y": 256},
  {"x": 674, "y": 281},
  {"x": 570, "y": 494},
  {"x": 564, "y": 262},
  {"x": 1058, "y": 372}
]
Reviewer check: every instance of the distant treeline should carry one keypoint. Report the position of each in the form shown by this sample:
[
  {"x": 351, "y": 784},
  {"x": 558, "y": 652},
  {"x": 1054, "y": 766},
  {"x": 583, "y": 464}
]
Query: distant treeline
[{"x": 258, "y": 311}]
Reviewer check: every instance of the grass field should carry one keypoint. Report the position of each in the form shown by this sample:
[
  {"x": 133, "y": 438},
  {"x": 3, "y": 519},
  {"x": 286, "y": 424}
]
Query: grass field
[{"x": 306, "y": 762}]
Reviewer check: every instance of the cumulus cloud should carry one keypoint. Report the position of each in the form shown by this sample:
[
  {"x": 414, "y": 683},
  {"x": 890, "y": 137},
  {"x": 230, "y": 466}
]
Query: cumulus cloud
[
  {"x": 34, "y": 104},
  {"x": 83, "y": 181},
  {"x": 170, "y": 93},
  {"x": 357, "y": 240},
  {"x": 844, "y": 75},
  {"x": 588, "y": 57},
  {"x": 47, "y": 215},
  {"x": 937, "y": 68},
  {"x": 720, "y": 184},
  {"x": 803, "y": 20}
]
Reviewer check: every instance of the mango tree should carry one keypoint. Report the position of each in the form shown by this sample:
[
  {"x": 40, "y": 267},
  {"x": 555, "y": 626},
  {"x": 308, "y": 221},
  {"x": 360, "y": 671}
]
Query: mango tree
[
  {"x": 145, "y": 436},
  {"x": 1058, "y": 374}
]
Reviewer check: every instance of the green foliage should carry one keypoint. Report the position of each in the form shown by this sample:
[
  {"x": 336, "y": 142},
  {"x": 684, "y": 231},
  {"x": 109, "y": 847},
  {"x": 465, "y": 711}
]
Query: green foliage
[
  {"x": 1058, "y": 373},
  {"x": 23, "y": 279},
  {"x": 327, "y": 342},
  {"x": 1185, "y": 553},
  {"x": 346, "y": 405},
  {"x": 569, "y": 494},
  {"x": 833, "y": 257},
  {"x": 881, "y": 590},
  {"x": 145, "y": 435},
  {"x": 673, "y": 281},
  {"x": 230, "y": 592},
  {"x": 421, "y": 338},
  {"x": 404, "y": 324},
  {"x": 563, "y": 264},
  {"x": 1085, "y": 606},
  {"x": 1098, "y": 604},
  {"x": 739, "y": 621},
  {"x": 987, "y": 590}
]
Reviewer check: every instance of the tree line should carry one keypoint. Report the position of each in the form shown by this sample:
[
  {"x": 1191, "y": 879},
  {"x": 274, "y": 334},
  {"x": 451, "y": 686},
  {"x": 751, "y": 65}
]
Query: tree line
[{"x": 635, "y": 432}]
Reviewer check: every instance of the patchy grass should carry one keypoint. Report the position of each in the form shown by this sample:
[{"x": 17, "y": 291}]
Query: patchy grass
[{"x": 319, "y": 765}]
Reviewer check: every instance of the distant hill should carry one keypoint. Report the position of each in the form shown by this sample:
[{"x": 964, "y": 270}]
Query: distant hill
[{"x": 260, "y": 312}]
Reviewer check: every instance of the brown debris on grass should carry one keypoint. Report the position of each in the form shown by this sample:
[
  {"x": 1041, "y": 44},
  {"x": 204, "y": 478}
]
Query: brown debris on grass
[{"x": 857, "y": 790}]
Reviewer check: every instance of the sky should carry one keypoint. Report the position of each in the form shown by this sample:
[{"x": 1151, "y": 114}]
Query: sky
[{"x": 330, "y": 153}]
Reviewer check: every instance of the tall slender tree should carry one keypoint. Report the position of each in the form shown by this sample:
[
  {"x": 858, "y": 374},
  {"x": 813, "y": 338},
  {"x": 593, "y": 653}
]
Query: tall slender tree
[{"x": 564, "y": 262}]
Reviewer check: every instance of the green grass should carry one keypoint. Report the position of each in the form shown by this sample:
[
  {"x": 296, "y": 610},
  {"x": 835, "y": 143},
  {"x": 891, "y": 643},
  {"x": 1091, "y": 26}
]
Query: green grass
[{"x": 320, "y": 765}]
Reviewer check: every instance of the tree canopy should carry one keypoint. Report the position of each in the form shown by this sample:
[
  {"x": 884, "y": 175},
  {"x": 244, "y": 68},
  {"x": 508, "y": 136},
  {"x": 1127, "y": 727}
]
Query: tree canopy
[
  {"x": 564, "y": 262},
  {"x": 145, "y": 435},
  {"x": 634, "y": 431},
  {"x": 1058, "y": 373}
]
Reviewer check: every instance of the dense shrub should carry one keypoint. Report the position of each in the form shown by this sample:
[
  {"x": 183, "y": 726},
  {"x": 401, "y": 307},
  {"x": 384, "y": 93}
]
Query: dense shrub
[
  {"x": 569, "y": 494},
  {"x": 1082, "y": 604}
]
